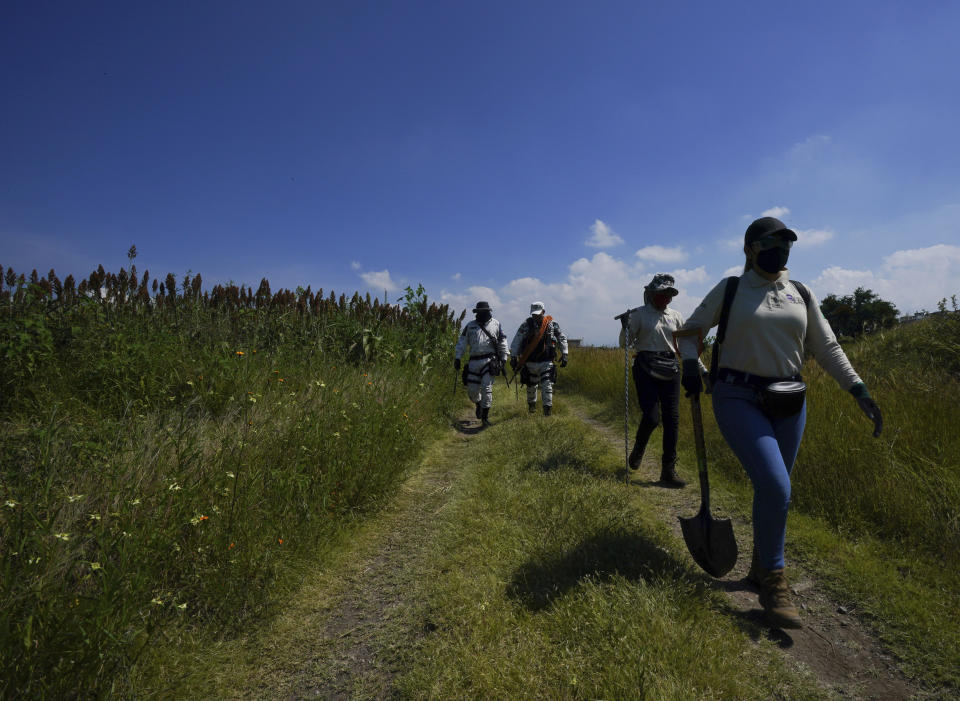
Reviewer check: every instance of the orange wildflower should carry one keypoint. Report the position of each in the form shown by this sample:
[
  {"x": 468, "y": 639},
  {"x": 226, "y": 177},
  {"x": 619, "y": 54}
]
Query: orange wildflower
[{"x": 280, "y": 540}]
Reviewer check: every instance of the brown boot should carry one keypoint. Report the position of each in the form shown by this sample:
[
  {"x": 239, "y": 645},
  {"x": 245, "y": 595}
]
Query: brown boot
[
  {"x": 778, "y": 608},
  {"x": 668, "y": 475}
]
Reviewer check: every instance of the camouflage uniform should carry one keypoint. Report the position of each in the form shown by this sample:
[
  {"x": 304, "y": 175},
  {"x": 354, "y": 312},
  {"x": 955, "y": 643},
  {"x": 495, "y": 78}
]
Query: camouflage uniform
[
  {"x": 539, "y": 369},
  {"x": 488, "y": 357}
]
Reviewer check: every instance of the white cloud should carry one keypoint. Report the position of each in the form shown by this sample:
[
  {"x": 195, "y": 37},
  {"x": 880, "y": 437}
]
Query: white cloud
[
  {"x": 778, "y": 212},
  {"x": 455, "y": 276},
  {"x": 468, "y": 299},
  {"x": 912, "y": 279},
  {"x": 584, "y": 302},
  {"x": 603, "y": 236},
  {"x": 810, "y": 147},
  {"x": 733, "y": 270},
  {"x": 355, "y": 265},
  {"x": 380, "y": 280},
  {"x": 813, "y": 237},
  {"x": 662, "y": 254}
]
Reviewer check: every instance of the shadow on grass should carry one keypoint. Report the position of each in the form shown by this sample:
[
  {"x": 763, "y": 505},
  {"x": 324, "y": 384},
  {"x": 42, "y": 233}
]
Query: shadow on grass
[
  {"x": 560, "y": 459},
  {"x": 754, "y": 625},
  {"x": 468, "y": 427},
  {"x": 539, "y": 582}
]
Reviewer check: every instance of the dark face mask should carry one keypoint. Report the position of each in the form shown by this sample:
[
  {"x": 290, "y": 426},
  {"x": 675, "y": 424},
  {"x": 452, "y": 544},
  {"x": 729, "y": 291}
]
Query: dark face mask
[
  {"x": 772, "y": 260},
  {"x": 660, "y": 301},
  {"x": 484, "y": 317}
]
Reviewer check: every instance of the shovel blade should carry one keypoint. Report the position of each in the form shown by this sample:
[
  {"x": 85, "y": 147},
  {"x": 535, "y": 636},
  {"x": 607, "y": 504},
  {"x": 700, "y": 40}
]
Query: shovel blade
[{"x": 711, "y": 542}]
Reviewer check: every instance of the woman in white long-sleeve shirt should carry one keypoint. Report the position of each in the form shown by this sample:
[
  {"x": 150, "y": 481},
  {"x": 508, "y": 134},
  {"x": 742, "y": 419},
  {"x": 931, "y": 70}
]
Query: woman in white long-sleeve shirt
[{"x": 770, "y": 325}]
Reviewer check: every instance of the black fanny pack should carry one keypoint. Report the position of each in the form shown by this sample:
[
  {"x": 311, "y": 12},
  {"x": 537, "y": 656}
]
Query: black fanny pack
[
  {"x": 659, "y": 365},
  {"x": 782, "y": 399}
]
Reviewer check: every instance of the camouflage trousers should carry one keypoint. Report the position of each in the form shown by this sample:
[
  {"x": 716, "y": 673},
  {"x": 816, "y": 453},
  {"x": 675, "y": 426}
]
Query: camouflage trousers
[
  {"x": 483, "y": 391},
  {"x": 541, "y": 376}
]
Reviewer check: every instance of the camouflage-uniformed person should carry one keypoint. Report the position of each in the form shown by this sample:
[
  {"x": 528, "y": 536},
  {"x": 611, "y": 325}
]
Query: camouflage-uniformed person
[
  {"x": 537, "y": 342},
  {"x": 488, "y": 358}
]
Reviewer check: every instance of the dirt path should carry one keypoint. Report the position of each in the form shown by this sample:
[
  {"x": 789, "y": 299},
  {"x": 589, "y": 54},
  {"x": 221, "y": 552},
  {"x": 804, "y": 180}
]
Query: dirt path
[
  {"x": 839, "y": 649},
  {"x": 338, "y": 640}
]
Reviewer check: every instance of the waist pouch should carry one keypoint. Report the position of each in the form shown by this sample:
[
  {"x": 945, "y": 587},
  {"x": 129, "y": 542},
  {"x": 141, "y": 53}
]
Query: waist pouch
[
  {"x": 529, "y": 379},
  {"x": 659, "y": 365},
  {"x": 475, "y": 378},
  {"x": 778, "y": 400}
]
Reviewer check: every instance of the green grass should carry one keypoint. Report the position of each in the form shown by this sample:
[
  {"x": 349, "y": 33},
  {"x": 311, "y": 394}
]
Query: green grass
[
  {"x": 551, "y": 581},
  {"x": 875, "y": 518},
  {"x": 165, "y": 466}
]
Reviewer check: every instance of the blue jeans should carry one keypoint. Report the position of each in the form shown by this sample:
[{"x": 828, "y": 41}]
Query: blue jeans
[{"x": 767, "y": 450}]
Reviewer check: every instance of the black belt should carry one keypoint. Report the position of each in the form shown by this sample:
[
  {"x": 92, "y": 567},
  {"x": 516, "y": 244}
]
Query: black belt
[
  {"x": 482, "y": 357},
  {"x": 735, "y": 377}
]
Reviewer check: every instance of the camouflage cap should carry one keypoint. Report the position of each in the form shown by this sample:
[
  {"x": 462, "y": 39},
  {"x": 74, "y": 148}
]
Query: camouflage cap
[
  {"x": 536, "y": 308},
  {"x": 662, "y": 283}
]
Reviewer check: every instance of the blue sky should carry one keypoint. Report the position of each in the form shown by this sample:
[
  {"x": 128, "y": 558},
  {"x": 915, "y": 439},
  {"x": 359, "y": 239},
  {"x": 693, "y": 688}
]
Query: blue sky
[{"x": 507, "y": 151}]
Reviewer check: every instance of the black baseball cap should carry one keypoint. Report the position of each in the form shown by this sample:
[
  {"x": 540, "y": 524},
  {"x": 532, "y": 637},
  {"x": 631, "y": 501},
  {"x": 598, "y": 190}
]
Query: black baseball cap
[{"x": 764, "y": 226}]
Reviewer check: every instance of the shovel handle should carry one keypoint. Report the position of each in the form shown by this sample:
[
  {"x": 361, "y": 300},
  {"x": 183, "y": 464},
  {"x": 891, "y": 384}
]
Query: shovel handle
[{"x": 701, "y": 449}]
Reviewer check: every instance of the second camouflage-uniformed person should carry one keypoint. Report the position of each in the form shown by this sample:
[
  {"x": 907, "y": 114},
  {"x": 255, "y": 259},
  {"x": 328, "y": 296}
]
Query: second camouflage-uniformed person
[{"x": 535, "y": 346}]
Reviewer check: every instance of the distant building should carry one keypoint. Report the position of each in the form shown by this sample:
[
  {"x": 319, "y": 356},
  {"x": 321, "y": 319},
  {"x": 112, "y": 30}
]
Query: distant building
[{"x": 574, "y": 342}]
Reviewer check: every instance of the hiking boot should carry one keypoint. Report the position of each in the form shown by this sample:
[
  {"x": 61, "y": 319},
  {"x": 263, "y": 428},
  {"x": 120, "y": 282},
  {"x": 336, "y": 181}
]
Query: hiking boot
[
  {"x": 778, "y": 608},
  {"x": 546, "y": 410},
  {"x": 636, "y": 457},
  {"x": 532, "y": 406},
  {"x": 484, "y": 418},
  {"x": 668, "y": 475},
  {"x": 479, "y": 410}
]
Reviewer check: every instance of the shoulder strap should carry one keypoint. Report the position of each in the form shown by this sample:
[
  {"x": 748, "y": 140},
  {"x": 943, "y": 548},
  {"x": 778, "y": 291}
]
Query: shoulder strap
[
  {"x": 490, "y": 336},
  {"x": 804, "y": 292},
  {"x": 533, "y": 344},
  {"x": 728, "y": 294}
]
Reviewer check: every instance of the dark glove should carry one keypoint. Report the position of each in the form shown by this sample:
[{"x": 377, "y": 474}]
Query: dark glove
[
  {"x": 691, "y": 377},
  {"x": 868, "y": 406},
  {"x": 502, "y": 367},
  {"x": 513, "y": 363},
  {"x": 563, "y": 360},
  {"x": 456, "y": 363}
]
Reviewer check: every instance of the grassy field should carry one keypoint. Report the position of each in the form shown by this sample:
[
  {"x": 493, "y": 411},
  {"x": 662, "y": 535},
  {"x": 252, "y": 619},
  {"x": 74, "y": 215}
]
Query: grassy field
[
  {"x": 167, "y": 459},
  {"x": 878, "y": 518},
  {"x": 174, "y": 463}
]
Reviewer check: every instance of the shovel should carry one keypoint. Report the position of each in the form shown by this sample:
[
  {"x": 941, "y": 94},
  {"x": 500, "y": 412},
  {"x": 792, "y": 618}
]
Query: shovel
[{"x": 710, "y": 540}]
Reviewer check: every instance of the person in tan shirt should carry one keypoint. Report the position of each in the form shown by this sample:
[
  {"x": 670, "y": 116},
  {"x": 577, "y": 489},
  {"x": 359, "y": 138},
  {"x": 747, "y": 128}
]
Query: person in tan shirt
[
  {"x": 656, "y": 373},
  {"x": 758, "y": 396}
]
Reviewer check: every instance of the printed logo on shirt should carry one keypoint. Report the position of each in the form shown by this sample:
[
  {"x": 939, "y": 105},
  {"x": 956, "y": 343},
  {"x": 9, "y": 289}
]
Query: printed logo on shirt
[{"x": 794, "y": 300}]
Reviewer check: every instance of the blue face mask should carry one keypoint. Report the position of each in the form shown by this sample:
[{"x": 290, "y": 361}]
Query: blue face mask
[{"x": 772, "y": 260}]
